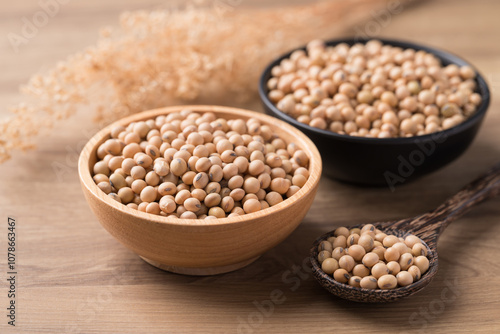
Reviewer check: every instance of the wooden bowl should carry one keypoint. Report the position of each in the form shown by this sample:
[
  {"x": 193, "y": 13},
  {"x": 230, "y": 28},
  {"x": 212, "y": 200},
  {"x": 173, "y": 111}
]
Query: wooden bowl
[{"x": 201, "y": 247}]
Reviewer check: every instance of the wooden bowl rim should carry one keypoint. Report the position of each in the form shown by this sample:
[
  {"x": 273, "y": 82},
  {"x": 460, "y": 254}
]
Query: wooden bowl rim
[{"x": 315, "y": 166}]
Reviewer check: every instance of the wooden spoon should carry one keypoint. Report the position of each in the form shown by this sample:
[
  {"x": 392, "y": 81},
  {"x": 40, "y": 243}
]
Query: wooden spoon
[{"x": 427, "y": 227}]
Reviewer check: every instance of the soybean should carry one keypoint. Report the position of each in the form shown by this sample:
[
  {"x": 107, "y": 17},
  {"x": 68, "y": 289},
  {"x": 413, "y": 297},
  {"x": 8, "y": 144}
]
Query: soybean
[
  {"x": 373, "y": 259},
  {"x": 192, "y": 165}
]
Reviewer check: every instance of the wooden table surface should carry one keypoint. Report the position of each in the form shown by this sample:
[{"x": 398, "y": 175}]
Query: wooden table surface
[{"x": 74, "y": 277}]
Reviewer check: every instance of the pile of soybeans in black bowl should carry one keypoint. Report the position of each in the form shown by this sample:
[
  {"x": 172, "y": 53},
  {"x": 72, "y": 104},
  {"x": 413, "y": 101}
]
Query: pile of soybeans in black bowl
[{"x": 381, "y": 112}]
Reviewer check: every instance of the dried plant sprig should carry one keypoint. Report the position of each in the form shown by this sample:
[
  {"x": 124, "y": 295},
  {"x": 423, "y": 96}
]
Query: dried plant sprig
[{"x": 159, "y": 58}]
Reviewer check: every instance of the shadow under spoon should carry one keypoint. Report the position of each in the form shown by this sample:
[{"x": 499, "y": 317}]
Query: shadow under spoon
[{"x": 428, "y": 227}]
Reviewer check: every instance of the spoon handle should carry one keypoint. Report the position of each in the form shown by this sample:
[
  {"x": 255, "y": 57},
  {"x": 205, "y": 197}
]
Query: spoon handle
[{"x": 429, "y": 226}]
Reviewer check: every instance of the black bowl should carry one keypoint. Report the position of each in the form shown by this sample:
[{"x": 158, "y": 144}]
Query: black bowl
[{"x": 386, "y": 161}]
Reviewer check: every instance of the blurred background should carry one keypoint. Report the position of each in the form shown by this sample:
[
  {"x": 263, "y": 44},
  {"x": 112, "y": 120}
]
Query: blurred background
[{"x": 463, "y": 27}]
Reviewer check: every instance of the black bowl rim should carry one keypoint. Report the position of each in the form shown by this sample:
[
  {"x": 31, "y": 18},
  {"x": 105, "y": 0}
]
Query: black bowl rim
[{"x": 445, "y": 56}]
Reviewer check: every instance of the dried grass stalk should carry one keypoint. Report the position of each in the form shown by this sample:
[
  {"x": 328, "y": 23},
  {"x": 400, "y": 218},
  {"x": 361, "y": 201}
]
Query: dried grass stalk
[{"x": 159, "y": 58}]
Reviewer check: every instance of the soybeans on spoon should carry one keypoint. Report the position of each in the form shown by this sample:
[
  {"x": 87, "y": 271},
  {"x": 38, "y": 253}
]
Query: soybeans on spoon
[{"x": 428, "y": 227}]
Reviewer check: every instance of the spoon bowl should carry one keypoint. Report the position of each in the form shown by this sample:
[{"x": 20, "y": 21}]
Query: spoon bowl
[
  {"x": 428, "y": 227},
  {"x": 373, "y": 295}
]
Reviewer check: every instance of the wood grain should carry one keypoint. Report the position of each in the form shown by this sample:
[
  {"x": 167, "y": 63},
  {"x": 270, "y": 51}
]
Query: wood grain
[{"x": 75, "y": 277}]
